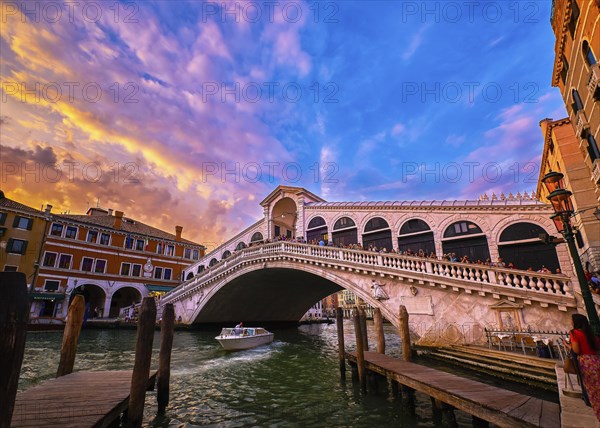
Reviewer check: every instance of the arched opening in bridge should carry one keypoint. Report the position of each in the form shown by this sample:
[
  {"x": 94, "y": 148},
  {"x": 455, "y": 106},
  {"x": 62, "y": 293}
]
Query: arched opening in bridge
[
  {"x": 257, "y": 237},
  {"x": 466, "y": 239},
  {"x": 519, "y": 243},
  {"x": 226, "y": 254},
  {"x": 94, "y": 297},
  {"x": 212, "y": 262},
  {"x": 201, "y": 268},
  {"x": 189, "y": 276},
  {"x": 283, "y": 218},
  {"x": 123, "y": 297},
  {"x": 416, "y": 235},
  {"x": 378, "y": 234},
  {"x": 240, "y": 246},
  {"x": 317, "y": 230},
  {"x": 345, "y": 232}
]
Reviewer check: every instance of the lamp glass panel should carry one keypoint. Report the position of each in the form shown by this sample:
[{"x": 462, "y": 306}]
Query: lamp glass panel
[{"x": 553, "y": 181}]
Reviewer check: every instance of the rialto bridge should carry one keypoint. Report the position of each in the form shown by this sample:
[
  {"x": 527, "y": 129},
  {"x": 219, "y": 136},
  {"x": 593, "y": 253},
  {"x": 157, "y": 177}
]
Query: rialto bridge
[{"x": 255, "y": 278}]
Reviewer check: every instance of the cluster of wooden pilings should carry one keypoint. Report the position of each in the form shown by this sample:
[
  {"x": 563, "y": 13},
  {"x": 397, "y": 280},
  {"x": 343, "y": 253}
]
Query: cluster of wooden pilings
[
  {"x": 371, "y": 381},
  {"x": 14, "y": 315}
]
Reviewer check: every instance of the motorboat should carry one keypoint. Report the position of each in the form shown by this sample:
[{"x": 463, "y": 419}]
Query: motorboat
[{"x": 237, "y": 339}]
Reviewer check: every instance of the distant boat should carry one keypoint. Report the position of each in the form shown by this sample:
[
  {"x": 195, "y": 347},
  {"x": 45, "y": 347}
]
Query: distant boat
[
  {"x": 236, "y": 339},
  {"x": 45, "y": 324}
]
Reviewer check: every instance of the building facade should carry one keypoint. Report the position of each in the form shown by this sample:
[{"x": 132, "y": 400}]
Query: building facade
[
  {"x": 112, "y": 260},
  {"x": 562, "y": 153},
  {"x": 576, "y": 25},
  {"x": 22, "y": 231}
]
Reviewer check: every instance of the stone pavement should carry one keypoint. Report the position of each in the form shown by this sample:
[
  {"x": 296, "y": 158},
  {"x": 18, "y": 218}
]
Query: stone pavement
[{"x": 573, "y": 411}]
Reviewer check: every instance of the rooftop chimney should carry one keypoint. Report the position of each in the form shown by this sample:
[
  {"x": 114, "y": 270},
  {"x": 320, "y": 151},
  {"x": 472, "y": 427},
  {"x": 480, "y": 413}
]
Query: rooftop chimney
[
  {"x": 110, "y": 211},
  {"x": 118, "y": 219},
  {"x": 178, "y": 230},
  {"x": 48, "y": 209}
]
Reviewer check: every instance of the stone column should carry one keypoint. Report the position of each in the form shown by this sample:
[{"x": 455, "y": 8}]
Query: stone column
[{"x": 106, "y": 310}]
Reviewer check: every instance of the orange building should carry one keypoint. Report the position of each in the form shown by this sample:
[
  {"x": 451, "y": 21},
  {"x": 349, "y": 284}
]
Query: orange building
[
  {"x": 112, "y": 260},
  {"x": 576, "y": 25}
]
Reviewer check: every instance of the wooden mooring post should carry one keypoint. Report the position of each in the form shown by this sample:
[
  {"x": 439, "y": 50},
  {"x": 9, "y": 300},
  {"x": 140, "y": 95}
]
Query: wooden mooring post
[
  {"x": 141, "y": 367},
  {"x": 14, "y": 314},
  {"x": 167, "y": 326},
  {"x": 68, "y": 350},
  {"x": 360, "y": 352},
  {"x": 378, "y": 320},
  {"x": 408, "y": 394},
  {"x": 339, "y": 320},
  {"x": 363, "y": 328}
]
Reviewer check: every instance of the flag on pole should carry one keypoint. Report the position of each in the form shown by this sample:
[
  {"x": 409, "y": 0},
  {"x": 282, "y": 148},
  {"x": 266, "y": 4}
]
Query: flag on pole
[{"x": 146, "y": 244}]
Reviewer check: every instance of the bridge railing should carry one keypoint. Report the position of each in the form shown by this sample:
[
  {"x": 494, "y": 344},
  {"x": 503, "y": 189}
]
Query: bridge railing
[{"x": 535, "y": 282}]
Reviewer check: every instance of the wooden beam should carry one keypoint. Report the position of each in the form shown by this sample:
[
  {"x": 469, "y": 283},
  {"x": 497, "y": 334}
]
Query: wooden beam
[{"x": 68, "y": 350}]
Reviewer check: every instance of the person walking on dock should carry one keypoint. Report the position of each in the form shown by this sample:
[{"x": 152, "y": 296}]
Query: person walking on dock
[{"x": 587, "y": 346}]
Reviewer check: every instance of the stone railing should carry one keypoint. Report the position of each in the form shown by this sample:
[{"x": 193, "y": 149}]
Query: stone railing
[{"x": 425, "y": 269}]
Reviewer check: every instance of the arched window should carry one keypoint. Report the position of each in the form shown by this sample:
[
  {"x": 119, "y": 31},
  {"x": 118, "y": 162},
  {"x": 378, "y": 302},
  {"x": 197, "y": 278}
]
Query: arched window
[
  {"x": 520, "y": 245},
  {"x": 461, "y": 228},
  {"x": 376, "y": 223},
  {"x": 317, "y": 230},
  {"x": 213, "y": 262},
  {"x": 189, "y": 276},
  {"x": 377, "y": 234},
  {"x": 593, "y": 150},
  {"x": 465, "y": 238},
  {"x": 587, "y": 53},
  {"x": 316, "y": 222},
  {"x": 226, "y": 254},
  {"x": 343, "y": 223},
  {"x": 577, "y": 104},
  {"x": 240, "y": 246},
  {"x": 257, "y": 237},
  {"x": 416, "y": 235},
  {"x": 201, "y": 268}
]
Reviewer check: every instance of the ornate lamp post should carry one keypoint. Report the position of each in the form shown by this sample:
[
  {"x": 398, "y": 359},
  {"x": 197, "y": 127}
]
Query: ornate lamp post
[{"x": 560, "y": 198}]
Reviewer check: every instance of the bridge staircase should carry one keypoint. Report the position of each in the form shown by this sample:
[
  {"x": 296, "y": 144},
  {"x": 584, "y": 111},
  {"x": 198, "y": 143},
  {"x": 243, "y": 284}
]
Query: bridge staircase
[{"x": 519, "y": 368}]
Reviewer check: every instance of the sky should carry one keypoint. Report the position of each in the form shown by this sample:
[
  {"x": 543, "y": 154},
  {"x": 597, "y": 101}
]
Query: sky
[{"x": 191, "y": 112}]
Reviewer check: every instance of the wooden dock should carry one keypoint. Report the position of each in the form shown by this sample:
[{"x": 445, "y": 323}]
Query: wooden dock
[
  {"x": 498, "y": 406},
  {"x": 77, "y": 400}
]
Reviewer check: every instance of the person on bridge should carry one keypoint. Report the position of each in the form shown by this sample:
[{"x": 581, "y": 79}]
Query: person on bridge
[{"x": 238, "y": 329}]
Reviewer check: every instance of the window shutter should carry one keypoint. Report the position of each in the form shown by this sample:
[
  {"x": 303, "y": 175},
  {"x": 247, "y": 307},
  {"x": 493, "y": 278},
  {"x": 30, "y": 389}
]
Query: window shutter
[
  {"x": 16, "y": 221},
  {"x": 29, "y": 223},
  {"x": 24, "y": 247},
  {"x": 9, "y": 245}
]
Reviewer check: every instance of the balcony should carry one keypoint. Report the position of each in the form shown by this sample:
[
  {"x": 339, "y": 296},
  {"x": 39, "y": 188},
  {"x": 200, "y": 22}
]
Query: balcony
[
  {"x": 594, "y": 81},
  {"x": 582, "y": 125},
  {"x": 596, "y": 172}
]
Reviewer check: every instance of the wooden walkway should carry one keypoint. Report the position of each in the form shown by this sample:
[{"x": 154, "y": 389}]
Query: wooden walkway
[
  {"x": 499, "y": 406},
  {"x": 77, "y": 400}
]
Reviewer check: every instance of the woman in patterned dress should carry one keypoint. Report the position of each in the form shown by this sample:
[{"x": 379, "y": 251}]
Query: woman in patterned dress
[{"x": 586, "y": 346}]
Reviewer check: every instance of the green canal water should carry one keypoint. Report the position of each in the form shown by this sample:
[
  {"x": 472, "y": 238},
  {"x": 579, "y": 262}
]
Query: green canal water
[{"x": 294, "y": 382}]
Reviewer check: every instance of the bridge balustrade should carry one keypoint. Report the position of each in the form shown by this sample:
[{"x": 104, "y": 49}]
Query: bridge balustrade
[{"x": 535, "y": 282}]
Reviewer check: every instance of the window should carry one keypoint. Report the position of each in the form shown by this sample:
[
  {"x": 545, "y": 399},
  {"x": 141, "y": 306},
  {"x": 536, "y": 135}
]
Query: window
[
  {"x": 86, "y": 264},
  {"x": 64, "y": 261},
  {"x": 51, "y": 285},
  {"x": 158, "y": 272},
  {"x": 100, "y": 266},
  {"x": 49, "y": 259},
  {"x": 168, "y": 273},
  {"x": 139, "y": 245},
  {"x": 565, "y": 70},
  {"x": 588, "y": 54},
  {"x": 257, "y": 236},
  {"x": 170, "y": 250},
  {"x": 92, "y": 236},
  {"x": 56, "y": 229},
  {"x": 16, "y": 246},
  {"x": 2, "y": 218},
  {"x": 125, "y": 269},
  {"x": 343, "y": 222},
  {"x": 196, "y": 255},
  {"x": 159, "y": 248},
  {"x": 577, "y": 104},
  {"x": 593, "y": 150},
  {"x": 187, "y": 253},
  {"x": 574, "y": 18},
  {"x": 10, "y": 268},
  {"x": 71, "y": 232},
  {"x": 129, "y": 243},
  {"x": 104, "y": 238},
  {"x": 136, "y": 270},
  {"x": 23, "y": 223}
]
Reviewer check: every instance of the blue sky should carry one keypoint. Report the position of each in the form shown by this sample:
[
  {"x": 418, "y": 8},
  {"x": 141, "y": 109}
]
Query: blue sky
[{"x": 203, "y": 108}]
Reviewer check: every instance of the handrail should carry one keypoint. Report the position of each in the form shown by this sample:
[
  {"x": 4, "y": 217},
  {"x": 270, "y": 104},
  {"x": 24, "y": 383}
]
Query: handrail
[{"x": 531, "y": 282}]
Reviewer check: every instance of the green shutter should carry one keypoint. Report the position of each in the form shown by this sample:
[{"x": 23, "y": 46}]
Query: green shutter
[
  {"x": 29, "y": 223},
  {"x": 16, "y": 221},
  {"x": 24, "y": 247},
  {"x": 9, "y": 245}
]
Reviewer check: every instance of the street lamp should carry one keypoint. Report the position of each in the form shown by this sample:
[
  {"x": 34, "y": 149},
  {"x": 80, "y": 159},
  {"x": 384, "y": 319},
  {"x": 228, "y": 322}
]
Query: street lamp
[{"x": 560, "y": 198}]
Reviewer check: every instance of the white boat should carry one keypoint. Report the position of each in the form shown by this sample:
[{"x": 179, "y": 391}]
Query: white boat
[{"x": 236, "y": 339}]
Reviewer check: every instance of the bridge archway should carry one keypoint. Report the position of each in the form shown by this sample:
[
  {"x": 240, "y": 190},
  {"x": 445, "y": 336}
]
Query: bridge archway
[
  {"x": 466, "y": 238},
  {"x": 378, "y": 234},
  {"x": 415, "y": 234},
  {"x": 345, "y": 232},
  {"x": 283, "y": 218},
  {"x": 519, "y": 243},
  {"x": 317, "y": 230},
  {"x": 212, "y": 262},
  {"x": 240, "y": 246},
  {"x": 225, "y": 254},
  {"x": 124, "y": 296},
  {"x": 93, "y": 295},
  {"x": 256, "y": 238}
]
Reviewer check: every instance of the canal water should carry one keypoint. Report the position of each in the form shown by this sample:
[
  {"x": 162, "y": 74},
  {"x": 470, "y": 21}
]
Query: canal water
[{"x": 294, "y": 382}]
